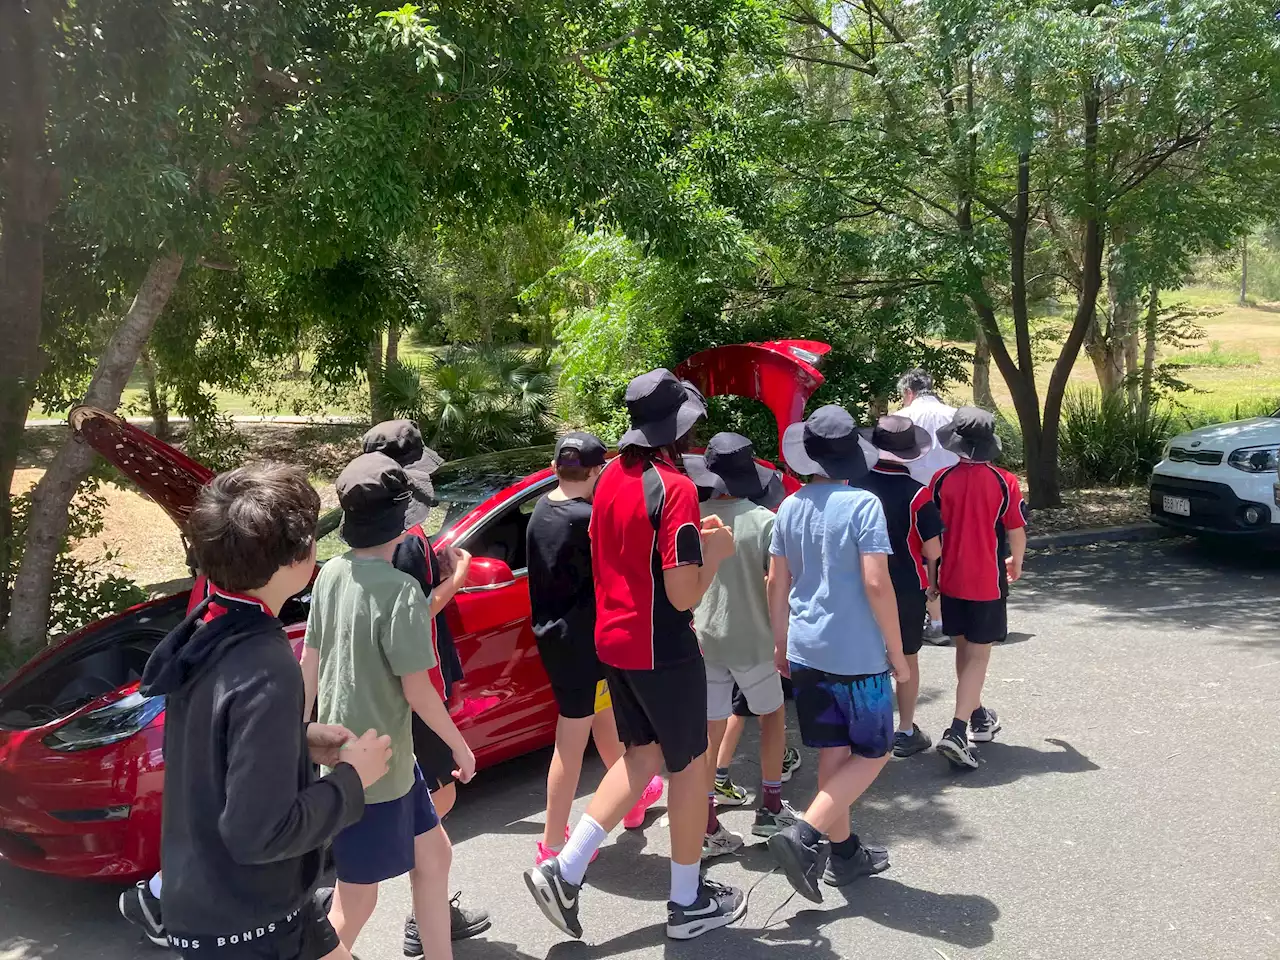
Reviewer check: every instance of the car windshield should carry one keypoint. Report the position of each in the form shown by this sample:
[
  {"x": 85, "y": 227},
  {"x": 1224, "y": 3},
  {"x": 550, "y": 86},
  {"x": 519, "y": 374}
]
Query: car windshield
[{"x": 460, "y": 487}]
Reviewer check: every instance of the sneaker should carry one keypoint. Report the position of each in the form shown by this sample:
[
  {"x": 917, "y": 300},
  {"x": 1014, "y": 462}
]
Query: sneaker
[
  {"x": 983, "y": 725},
  {"x": 463, "y": 924},
  {"x": 791, "y": 762},
  {"x": 865, "y": 862},
  {"x": 802, "y": 864},
  {"x": 909, "y": 744},
  {"x": 717, "y": 905},
  {"x": 729, "y": 794},
  {"x": 768, "y": 823},
  {"x": 934, "y": 635},
  {"x": 542, "y": 853},
  {"x": 652, "y": 794},
  {"x": 958, "y": 752},
  {"x": 141, "y": 908},
  {"x": 721, "y": 843},
  {"x": 556, "y": 896}
]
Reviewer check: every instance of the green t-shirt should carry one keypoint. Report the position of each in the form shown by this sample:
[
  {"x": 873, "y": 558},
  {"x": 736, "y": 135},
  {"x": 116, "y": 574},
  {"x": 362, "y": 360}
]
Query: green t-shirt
[
  {"x": 732, "y": 618},
  {"x": 371, "y": 625}
]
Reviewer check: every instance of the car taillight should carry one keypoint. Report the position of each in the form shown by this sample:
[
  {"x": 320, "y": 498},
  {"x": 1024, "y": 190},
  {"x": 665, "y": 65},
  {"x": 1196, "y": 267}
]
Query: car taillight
[{"x": 108, "y": 725}]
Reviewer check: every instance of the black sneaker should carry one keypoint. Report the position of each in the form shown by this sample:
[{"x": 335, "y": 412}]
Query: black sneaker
[
  {"x": 142, "y": 909},
  {"x": 557, "y": 897},
  {"x": 717, "y": 906},
  {"x": 463, "y": 924},
  {"x": 865, "y": 862},
  {"x": 802, "y": 864},
  {"x": 909, "y": 744},
  {"x": 958, "y": 752},
  {"x": 983, "y": 725}
]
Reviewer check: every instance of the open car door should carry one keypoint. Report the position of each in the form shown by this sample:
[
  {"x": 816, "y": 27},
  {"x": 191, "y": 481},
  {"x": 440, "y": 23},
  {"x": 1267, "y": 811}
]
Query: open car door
[{"x": 781, "y": 374}]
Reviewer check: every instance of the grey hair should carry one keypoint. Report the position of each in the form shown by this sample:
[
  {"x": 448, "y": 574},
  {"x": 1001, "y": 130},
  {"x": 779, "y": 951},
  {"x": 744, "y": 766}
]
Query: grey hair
[{"x": 917, "y": 381}]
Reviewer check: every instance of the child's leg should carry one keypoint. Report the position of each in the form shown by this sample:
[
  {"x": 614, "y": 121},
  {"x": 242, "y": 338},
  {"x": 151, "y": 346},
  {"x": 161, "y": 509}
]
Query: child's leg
[
  {"x": 563, "y": 775},
  {"x": 443, "y": 798},
  {"x": 715, "y": 733},
  {"x": 623, "y": 783},
  {"x": 842, "y": 779},
  {"x": 342, "y": 953},
  {"x": 971, "y": 670},
  {"x": 908, "y": 694},
  {"x": 604, "y": 730},
  {"x": 687, "y": 812},
  {"x": 429, "y": 880},
  {"x": 353, "y": 905},
  {"x": 729, "y": 744},
  {"x": 773, "y": 743}
]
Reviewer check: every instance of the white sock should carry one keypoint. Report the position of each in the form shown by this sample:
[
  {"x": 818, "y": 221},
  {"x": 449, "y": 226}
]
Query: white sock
[
  {"x": 154, "y": 886},
  {"x": 937, "y": 624},
  {"x": 908, "y": 730},
  {"x": 577, "y": 853},
  {"x": 684, "y": 883}
]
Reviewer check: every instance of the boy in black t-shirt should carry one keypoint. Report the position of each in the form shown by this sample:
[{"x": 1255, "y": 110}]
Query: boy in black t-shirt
[{"x": 563, "y": 600}]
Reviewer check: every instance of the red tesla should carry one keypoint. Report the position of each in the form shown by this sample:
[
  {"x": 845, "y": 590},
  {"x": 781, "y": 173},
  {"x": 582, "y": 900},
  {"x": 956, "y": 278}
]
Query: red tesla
[{"x": 81, "y": 758}]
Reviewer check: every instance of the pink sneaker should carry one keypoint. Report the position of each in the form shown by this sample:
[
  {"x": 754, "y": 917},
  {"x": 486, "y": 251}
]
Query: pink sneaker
[
  {"x": 652, "y": 794},
  {"x": 545, "y": 853}
]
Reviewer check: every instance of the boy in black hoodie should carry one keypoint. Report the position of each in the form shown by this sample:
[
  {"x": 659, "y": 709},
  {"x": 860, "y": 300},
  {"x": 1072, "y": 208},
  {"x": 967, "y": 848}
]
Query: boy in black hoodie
[{"x": 245, "y": 819}]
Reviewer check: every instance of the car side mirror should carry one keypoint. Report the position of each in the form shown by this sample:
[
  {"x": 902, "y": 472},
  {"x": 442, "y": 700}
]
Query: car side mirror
[{"x": 487, "y": 573}]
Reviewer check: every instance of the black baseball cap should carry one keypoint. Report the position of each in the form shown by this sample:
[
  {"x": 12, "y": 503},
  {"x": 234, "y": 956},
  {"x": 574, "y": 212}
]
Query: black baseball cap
[
  {"x": 729, "y": 466},
  {"x": 580, "y": 449},
  {"x": 401, "y": 440},
  {"x": 662, "y": 408},
  {"x": 379, "y": 501}
]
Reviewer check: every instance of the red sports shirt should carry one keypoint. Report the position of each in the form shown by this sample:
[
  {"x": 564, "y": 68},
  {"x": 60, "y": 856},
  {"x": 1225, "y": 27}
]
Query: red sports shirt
[
  {"x": 644, "y": 520},
  {"x": 979, "y": 503}
]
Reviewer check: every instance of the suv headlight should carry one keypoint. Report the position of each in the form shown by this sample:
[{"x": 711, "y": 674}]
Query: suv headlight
[
  {"x": 1254, "y": 459},
  {"x": 111, "y": 724}
]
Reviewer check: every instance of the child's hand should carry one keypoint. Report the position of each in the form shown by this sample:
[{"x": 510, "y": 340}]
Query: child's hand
[
  {"x": 466, "y": 761},
  {"x": 461, "y": 561},
  {"x": 901, "y": 668},
  {"x": 932, "y": 594},
  {"x": 369, "y": 754},
  {"x": 717, "y": 540},
  {"x": 782, "y": 663},
  {"x": 323, "y": 741},
  {"x": 1013, "y": 567}
]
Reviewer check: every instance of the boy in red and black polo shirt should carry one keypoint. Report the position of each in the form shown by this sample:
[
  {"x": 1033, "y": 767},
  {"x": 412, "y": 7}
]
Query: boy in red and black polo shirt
[
  {"x": 653, "y": 557},
  {"x": 985, "y": 522}
]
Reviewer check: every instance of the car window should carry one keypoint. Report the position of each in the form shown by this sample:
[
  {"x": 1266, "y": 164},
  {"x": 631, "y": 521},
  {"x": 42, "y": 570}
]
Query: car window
[{"x": 502, "y": 536}]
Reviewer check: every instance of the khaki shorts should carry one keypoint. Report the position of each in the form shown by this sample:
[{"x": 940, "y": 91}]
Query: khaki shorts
[{"x": 760, "y": 685}]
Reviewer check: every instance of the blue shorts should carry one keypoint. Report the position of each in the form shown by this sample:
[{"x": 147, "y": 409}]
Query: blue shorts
[
  {"x": 840, "y": 711},
  {"x": 379, "y": 845}
]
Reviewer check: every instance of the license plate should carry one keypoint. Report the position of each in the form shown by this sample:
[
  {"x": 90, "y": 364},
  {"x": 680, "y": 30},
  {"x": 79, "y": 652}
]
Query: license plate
[{"x": 1177, "y": 505}]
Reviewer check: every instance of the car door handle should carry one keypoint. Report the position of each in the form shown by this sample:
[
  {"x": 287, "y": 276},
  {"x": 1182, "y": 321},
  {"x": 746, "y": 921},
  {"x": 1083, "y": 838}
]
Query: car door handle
[{"x": 486, "y": 588}]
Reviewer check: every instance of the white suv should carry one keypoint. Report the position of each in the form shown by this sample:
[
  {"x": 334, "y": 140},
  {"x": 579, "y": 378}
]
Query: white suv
[{"x": 1221, "y": 480}]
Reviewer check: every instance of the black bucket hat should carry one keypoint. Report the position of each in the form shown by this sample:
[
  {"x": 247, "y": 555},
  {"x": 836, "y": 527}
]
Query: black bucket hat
[
  {"x": 897, "y": 438},
  {"x": 662, "y": 409},
  {"x": 971, "y": 434},
  {"x": 828, "y": 445},
  {"x": 379, "y": 501},
  {"x": 401, "y": 440},
  {"x": 728, "y": 466}
]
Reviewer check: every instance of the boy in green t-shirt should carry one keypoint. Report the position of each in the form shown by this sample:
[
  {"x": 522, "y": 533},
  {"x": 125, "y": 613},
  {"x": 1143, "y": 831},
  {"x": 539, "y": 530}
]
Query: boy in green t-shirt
[
  {"x": 734, "y": 631},
  {"x": 368, "y": 659}
]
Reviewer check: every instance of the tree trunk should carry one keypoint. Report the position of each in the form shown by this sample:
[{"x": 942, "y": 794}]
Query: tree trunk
[
  {"x": 373, "y": 373},
  {"x": 393, "y": 342},
  {"x": 156, "y": 398},
  {"x": 296, "y": 372},
  {"x": 51, "y": 499},
  {"x": 1150, "y": 332},
  {"x": 1244, "y": 271},
  {"x": 28, "y": 193},
  {"x": 982, "y": 371}
]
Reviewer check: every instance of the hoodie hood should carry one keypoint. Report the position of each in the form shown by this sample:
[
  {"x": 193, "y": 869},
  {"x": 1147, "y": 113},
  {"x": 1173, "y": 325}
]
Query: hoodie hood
[{"x": 201, "y": 640}]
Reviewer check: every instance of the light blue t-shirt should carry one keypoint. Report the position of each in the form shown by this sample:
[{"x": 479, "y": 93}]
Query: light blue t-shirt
[{"x": 823, "y": 530}]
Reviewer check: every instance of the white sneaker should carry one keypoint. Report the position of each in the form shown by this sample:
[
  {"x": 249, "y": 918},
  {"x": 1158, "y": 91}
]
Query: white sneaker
[{"x": 723, "y": 841}]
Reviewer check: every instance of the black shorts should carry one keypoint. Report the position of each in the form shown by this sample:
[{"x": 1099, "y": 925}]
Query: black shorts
[
  {"x": 742, "y": 709},
  {"x": 435, "y": 759},
  {"x": 667, "y": 706},
  {"x": 911, "y": 607},
  {"x": 574, "y": 671},
  {"x": 978, "y": 621},
  {"x": 304, "y": 935}
]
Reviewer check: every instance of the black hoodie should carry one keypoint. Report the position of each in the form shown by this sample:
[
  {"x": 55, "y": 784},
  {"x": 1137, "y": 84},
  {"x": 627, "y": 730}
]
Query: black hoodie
[{"x": 245, "y": 819}]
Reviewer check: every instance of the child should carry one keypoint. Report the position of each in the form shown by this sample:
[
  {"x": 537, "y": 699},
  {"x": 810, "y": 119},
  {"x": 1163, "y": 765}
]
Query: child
[
  {"x": 401, "y": 440},
  {"x": 835, "y": 625},
  {"x": 732, "y": 622},
  {"x": 915, "y": 531},
  {"x": 985, "y": 520},
  {"x": 245, "y": 821},
  {"x": 563, "y": 600},
  {"x": 368, "y": 658},
  {"x": 728, "y": 793},
  {"x": 653, "y": 560}
]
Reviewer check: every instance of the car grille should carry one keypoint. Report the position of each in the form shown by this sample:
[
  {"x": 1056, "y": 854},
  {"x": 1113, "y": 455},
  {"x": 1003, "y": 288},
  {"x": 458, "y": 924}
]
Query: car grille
[{"x": 1208, "y": 458}]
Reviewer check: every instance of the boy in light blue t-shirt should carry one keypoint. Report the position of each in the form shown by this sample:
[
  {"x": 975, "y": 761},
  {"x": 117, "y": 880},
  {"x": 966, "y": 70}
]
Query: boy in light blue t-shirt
[{"x": 835, "y": 626}]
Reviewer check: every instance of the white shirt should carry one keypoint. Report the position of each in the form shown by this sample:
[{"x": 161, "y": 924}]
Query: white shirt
[{"x": 930, "y": 413}]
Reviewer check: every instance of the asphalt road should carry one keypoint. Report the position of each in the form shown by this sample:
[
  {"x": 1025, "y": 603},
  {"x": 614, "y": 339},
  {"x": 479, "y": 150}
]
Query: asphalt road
[{"x": 1129, "y": 809}]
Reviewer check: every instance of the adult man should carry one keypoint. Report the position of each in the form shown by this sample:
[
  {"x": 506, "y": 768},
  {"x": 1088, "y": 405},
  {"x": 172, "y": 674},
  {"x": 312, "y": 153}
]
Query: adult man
[{"x": 920, "y": 405}]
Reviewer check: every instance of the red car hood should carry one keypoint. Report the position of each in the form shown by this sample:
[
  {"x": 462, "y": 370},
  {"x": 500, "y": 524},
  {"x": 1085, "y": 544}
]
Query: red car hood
[{"x": 782, "y": 374}]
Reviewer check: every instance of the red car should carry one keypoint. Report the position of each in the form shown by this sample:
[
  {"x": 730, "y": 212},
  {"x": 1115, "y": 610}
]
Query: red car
[{"x": 81, "y": 758}]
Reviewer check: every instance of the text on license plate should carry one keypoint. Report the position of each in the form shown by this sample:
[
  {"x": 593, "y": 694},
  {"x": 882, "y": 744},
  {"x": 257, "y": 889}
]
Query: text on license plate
[{"x": 1177, "y": 505}]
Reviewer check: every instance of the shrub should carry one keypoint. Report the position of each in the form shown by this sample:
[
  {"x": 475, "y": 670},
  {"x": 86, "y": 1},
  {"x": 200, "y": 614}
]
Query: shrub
[
  {"x": 1012, "y": 450},
  {"x": 1107, "y": 440}
]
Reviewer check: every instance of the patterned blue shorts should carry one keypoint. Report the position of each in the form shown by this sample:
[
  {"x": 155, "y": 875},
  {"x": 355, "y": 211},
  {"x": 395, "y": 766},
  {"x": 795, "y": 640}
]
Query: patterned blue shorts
[{"x": 842, "y": 711}]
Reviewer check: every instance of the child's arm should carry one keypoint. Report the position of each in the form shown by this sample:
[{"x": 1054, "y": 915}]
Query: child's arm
[
  {"x": 310, "y": 679},
  {"x": 932, "y": 550},
  {"x": 778, "y": 589},
  {"x": 884, "y": 607},
  {"x": 1017, "y": 549},
  {"x": 442, "y": 594},
  {"x": 426, "y": 703}
]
